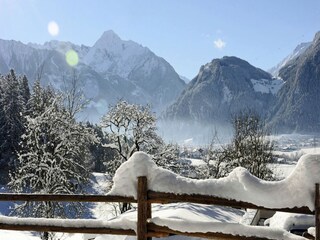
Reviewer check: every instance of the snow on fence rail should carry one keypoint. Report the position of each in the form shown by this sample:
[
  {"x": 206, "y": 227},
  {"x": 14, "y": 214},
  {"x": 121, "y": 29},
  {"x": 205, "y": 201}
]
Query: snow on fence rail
[{"x": 140, "y": 181}]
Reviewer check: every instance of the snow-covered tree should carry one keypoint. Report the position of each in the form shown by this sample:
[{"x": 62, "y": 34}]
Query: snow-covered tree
[
  {"x": 53, "y": 157},
  {"x": 40, "y": 99},
  {"x": 25, "y": 90},
  {"x": 129, "y": 127},
  {"x": 13, "y": 107}
]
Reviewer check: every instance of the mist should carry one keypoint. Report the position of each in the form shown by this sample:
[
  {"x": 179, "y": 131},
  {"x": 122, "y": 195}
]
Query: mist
[{"x": 194, "y": 133}]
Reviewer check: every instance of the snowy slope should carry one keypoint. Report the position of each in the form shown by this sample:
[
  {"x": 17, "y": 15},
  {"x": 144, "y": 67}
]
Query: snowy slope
[{"x": 267, "y": 85}]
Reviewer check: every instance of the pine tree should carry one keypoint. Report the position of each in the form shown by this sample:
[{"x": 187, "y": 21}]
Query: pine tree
[
  {"x": 13, "y": 106},
  {"x": 25, "y": 91},
  {"x": 40, "y": 99},
  {"x": 53, "y": 157}
]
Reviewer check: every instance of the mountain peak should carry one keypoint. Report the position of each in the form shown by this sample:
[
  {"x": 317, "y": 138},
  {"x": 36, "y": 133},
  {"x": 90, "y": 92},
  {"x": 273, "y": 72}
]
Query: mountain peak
[
  {"x": 317, "y": 38},
  {"x": 109, "y": 34},
  {"x": 108, "y": 38}
]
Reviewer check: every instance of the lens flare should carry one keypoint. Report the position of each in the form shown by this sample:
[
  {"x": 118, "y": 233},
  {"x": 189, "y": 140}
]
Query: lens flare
[
  {"x": 53, "y": 28},
  {"x": 72, "y": 58}
]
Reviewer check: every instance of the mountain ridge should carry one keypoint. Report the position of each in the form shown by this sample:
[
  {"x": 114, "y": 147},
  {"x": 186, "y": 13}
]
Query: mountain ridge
[
  {"x": 229, "y": 85},
  {"x": 110, "y": 70}
]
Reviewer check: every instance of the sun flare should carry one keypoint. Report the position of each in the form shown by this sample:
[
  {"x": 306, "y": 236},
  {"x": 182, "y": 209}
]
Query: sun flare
[{"x": 53, "y": 28}]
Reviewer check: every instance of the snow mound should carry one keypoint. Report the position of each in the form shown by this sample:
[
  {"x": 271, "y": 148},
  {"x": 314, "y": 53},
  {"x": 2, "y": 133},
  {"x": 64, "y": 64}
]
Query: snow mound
[
  {"x": 239, "y": 185},
  {"x": 289, "y": 221}
]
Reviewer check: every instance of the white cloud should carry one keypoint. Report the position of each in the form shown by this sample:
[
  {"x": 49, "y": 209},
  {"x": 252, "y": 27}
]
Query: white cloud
[{"x": 220, "y": 44}]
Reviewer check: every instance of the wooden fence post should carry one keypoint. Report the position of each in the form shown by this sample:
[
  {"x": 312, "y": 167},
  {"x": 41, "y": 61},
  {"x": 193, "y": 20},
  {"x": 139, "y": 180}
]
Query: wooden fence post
[
  {"x": 149, "y": 215},
  {"x": 317, "y": 212},
  {"x": 144, "y": 209}
]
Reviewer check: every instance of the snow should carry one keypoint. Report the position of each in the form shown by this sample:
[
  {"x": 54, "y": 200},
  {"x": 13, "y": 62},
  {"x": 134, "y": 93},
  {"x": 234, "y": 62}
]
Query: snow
[
  {"x": 4, "y": 234},
  {"x": 227, "y": 96},
  {"x": 289, "y": 221},
  {"x": 239, "y": 185},
  {"x": 312, "y": 231},
  {"x": 118, "y": 223},
  {"x": 281, "y": 171},
  {"x": 181, "y": 217},
  {"x": 183, "y": 211},
  {"x": 248, "y": 216},
  {"x": 111, "y": 54},
  {"x": 189, "y": 217},
  {"x": 227, "y": 228},
  {"x": 196, "y": 212},
  {"x": 299, "y": 50},
  {"x": 267, "y": 85}
]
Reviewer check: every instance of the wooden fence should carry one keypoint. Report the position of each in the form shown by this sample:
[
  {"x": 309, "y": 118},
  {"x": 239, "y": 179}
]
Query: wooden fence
[{"x": 145, "y": 197}]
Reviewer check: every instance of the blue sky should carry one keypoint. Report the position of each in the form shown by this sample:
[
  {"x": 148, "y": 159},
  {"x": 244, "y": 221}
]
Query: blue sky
[{"x": 187, "y": 33}]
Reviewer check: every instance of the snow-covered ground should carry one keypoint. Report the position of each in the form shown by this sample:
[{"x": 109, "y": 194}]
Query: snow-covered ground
[
  {"x": 185, "y": 216},
  {"x": 181, "y": 211}
]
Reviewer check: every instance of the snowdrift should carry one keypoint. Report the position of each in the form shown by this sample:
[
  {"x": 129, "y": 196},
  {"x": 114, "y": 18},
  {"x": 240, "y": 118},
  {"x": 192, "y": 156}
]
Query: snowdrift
[{"x": 297, "y": 190}]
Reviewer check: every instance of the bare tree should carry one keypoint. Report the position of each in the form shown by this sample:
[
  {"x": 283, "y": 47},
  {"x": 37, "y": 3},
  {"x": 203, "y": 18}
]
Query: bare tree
[
  {"x": 74, "y": 97},
  {"x": 250, "y": 147},
  {"x": 214, "y": 165}
]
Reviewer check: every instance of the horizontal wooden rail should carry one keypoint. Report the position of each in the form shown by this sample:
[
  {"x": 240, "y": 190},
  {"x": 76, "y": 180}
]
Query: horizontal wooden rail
[
  {"x": 145, "y": 230},
  {"x": 48, "y": 228},
  {"x": 153, "y": 197},
  {"x": 64, "y": 198},
  {"x": 161, "y": 197}
]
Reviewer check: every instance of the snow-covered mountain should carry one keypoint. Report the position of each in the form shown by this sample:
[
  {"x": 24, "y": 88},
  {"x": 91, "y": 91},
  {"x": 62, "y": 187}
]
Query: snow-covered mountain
[
  {"x": 111, "y": 55},
  {"x": 110, "y": 70},
  {"x": 224, "y": 87},
  {"x": 297, "y": 105},
  {"x": 300, "y": 49}
]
